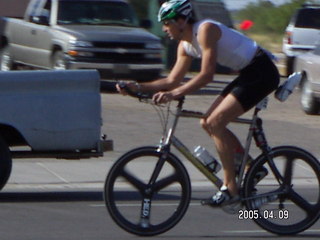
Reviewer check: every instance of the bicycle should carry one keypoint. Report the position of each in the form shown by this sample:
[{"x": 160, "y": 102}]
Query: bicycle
[{"x": 162, "y": 195}]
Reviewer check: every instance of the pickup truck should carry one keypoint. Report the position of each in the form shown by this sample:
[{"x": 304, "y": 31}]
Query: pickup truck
[
  {"x": 50, "y": 114},
  {"x": 81, "y": 34}
]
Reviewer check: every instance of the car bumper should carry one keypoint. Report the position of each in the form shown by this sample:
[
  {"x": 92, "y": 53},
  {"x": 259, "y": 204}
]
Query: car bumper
[
  {"x": 295, "y": 50},
  {"x": 116, "y": 68},
  {"x": 142, "y": 71}
]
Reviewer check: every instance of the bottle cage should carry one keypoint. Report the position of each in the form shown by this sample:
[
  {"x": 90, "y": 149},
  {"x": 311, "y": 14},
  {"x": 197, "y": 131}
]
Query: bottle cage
[{"x": 283, "y": 92}]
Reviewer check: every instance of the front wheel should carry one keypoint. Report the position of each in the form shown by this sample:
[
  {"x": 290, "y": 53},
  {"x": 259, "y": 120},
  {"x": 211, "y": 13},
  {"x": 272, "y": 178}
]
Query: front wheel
[
  {"x": 147, "y": 192},
  {"x": 287, "y": 200},
  {"x": 6, "y": 61},
  {"x": 59, "y": 61}
]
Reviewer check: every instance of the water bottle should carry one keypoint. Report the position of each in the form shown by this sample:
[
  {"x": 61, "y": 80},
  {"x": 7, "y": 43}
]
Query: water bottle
[
  {"x": 209, "y": 161},
  {"x": 258, "y": 202}
]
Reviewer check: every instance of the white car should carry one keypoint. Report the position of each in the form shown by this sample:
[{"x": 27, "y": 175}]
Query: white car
[
  {"x": 309, "y": 65},
  {"x": 302, "y": 33}
]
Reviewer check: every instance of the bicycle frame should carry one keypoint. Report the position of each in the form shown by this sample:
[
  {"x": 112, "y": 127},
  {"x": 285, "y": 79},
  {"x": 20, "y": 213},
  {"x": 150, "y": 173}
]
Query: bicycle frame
[{"x": 169, "y": 138}]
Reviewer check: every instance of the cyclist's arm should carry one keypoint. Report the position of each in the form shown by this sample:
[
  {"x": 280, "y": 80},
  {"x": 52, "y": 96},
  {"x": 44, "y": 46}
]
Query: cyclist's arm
[
  {"x": 174, "y": 78},
  {"x": 208, "y": 36}
]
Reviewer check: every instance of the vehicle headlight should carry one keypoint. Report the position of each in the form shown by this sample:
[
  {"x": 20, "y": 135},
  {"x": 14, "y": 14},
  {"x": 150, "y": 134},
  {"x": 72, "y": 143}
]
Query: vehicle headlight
[
  {"x": 153, "y": 45},
  {"x": 75, "y": 43}
]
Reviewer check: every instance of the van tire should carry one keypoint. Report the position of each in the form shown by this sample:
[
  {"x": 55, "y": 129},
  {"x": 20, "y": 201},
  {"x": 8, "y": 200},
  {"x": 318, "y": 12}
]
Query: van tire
[
  {"x": 5, "y": 163},
  {"x": 290, "y": 65},
  {"x": 59, "y": 61},
  {"x": 310, "y": 104},
  {"x": 6, "y": 61}
]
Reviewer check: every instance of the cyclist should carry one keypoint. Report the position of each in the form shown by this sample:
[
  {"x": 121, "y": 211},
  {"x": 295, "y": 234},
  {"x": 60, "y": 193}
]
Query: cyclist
[{"x": 214, "y": 43}]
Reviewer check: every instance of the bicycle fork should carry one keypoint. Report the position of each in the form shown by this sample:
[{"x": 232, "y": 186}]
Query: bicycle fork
[{"x": 148, "y": 192}]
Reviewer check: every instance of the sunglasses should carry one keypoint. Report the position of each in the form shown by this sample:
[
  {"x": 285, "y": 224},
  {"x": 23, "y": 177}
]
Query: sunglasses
[{"x": 167, "y": 22}]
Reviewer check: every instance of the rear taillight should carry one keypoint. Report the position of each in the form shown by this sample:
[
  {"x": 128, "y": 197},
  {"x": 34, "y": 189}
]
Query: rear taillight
[{"x": 289, "y": 37}]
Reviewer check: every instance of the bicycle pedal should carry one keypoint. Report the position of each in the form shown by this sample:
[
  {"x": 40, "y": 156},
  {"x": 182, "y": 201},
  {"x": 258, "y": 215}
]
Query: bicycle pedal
[{"x": 208, "y": 202}]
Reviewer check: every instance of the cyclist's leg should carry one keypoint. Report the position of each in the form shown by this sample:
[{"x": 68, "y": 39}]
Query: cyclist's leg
[
  {"x": 217, "y": 101},
  {"x": 254, "y": 83},
  {"x": 226, "y": 142}
]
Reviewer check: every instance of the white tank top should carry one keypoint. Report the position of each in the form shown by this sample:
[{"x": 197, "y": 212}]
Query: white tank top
[{"x": 234, "y": 49}]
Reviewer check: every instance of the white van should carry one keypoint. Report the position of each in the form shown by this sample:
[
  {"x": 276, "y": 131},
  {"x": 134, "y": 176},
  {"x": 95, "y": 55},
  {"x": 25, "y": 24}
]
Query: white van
[{"x": 302, "y": 33}]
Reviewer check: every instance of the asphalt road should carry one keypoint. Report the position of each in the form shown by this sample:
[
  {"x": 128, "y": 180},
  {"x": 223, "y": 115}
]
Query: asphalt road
[
  {"x": 70, "y": 215},
  {"x": 35, "y": 207}
]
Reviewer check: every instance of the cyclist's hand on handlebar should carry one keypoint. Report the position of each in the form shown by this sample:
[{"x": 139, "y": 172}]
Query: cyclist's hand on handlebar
[
  {"x": 162, "y": 97},
  {"x": 122, "y": 87}
]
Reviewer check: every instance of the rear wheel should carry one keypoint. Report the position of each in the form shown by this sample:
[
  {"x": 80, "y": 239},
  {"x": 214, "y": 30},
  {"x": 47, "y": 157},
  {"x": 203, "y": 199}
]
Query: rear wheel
[
  {"x": 287, "y": 200},
  {"x": 290, "y": 65}
]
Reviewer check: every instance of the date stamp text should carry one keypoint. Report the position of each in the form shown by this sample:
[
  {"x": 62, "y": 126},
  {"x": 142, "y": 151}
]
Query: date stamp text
[{"x": 281, "y": 214}]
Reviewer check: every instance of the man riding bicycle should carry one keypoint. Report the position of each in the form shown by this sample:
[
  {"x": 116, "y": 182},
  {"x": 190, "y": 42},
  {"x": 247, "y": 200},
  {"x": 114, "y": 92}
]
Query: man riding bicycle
[{"x": 214, "y": 43}]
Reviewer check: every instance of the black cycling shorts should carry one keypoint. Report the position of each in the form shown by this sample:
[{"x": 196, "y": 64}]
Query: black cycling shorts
[{"x": 255, "y": 82}]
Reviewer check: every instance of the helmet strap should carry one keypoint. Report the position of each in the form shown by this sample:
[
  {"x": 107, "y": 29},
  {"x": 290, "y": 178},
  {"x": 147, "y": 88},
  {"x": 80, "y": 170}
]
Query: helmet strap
[{"x": 182, "y": 27}]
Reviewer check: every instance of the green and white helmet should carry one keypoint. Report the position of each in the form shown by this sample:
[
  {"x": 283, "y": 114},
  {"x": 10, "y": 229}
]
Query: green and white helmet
[{"x": 174, "y": 8}]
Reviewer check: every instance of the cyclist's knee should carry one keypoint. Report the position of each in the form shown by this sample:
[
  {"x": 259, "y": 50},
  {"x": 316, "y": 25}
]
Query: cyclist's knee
[
  {"x": 205, "y": 125},
  {"x": 215, "y": 124}
]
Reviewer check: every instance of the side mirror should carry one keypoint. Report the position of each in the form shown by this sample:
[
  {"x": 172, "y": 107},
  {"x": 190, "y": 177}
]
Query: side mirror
[
  {"x": 146, "y": 23},
  {"x": 42, "y": 20}
]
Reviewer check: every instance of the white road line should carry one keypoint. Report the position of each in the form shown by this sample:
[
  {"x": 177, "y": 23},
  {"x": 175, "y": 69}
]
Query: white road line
[
  {"x": 194, "y": 204},
  {"x": 52, "y": 172},
  {"x": 263, "y": 231},
  {"x": 139, "y": 204}
]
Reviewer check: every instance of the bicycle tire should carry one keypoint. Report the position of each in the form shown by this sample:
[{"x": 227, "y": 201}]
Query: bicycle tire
[
  {"x": 292, "y": 206},
  {"x": 125, "y": 175}
]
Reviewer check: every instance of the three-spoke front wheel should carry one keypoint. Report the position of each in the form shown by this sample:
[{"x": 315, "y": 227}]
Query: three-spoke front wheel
[{"x": 147, "y": 192}]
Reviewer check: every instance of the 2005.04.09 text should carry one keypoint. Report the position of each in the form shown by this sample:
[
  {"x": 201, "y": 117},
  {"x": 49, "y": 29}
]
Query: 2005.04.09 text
[{"x": 264, "y": 214}]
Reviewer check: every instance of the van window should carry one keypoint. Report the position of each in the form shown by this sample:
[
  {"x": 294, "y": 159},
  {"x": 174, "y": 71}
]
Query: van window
[
  {"x": 308, "y": 18},
  {"x": 40, "y": 8},
  {"x": 35, "y": 6}
]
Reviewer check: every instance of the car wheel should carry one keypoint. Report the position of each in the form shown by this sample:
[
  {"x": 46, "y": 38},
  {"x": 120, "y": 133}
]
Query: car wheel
[
  {"x": 289, "y": 65},
  {"x": 6, "y": 62},
  {"x": 59, "y": 61},
  {"x": 5, "y": 163},
  {"x": 310, "y": 104}
]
